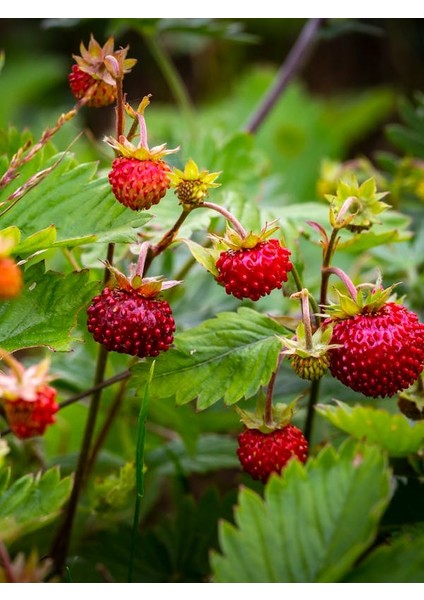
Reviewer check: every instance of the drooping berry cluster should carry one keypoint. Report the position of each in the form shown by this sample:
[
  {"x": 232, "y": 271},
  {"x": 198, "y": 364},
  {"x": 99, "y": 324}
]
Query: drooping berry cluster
[
  {"x": 254, "y": 272},
  {"x": 261, "y": 454},
  {"x": 125, "y": 321}
]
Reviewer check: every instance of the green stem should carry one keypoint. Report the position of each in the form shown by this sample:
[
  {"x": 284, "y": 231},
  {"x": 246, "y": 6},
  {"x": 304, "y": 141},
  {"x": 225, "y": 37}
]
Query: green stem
[
  {"x": 173, "y": 79},
  {"x": 167, "y": 239},
  {"x": 61, "y": 543},
  {"x": 139, "y": 474},
  {"x": 313, "y": 398}
]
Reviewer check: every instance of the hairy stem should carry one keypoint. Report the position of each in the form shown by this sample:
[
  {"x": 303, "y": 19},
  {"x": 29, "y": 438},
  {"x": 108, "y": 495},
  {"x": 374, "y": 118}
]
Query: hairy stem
[
  {"x": 270, "y": 393},
  {"x": 288, "y": 70},
  {"x": 167, "y": 239},
  {"x": 225, "y": 213},
  {"x": 328, "y": 255},
  {"x": 345, "y": 278}
]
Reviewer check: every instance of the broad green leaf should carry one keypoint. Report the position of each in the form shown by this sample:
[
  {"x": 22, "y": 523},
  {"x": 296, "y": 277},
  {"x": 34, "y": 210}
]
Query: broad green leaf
[
  {"x": 35, "y": 242},
  {"x": 46, "y": 311},
  {"x": 395, "y": 433},
  {"x": 31, "y": 502},
  {"x": 402, "y": 561},
  {"x": 80, "y": 206},
  {"x": 11, "y": 235},
  {"x": 313, "y": 524},
  {"x": 228, "y": 357}
]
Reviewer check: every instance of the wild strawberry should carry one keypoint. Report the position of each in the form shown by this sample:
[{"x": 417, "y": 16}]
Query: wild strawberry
[
  {"x": 139, "y": 177},
  {"x": 381, "y": 345},
  {"x": 29, "y": 419},
  {"x": 28, "y": 402},
  {"x": 138, "y": 184},
  {"x": 130, "y": 318},
  {"x": 261, "y": 454},
  {"x": 250, "y": 265},
  {"x": 10, "y": 279},
  {"x": 93, "y": 73}
]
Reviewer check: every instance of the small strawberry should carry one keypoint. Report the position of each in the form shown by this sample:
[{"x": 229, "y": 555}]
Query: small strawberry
[
  {"x": 28, "y": 402},
  {"x": 139, "y": 177},
  {"x": 10, "y": 279},
  {"x": 381, "y": 344},
  {"x": 266, "y": 445},
  {"x": 92, "y": 73},
  {"x": 252, "y": 266},
  {"x": 130, "y": 318},
  {"x": 261, "y": 454}
]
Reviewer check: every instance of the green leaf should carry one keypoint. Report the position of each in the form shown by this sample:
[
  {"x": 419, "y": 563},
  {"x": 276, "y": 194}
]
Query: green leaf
[
  {"x": 82, "y": 208},
  {"x": 46, "y": 311},
  {"x": 314, "y": 523},
  {"x": 204, "y": 256},
  {"x": 395, "y": 433},
  {"x": 400, "y": 562},
  {"x": 31, "y": 502},
  {"x": 228, "y": 357},
  {"x": 35, "y": 242}
]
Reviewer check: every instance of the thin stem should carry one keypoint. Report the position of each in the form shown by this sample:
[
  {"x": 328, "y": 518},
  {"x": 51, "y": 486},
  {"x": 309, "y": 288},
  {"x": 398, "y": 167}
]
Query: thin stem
[
  {"x": 173, "y": 79},
  {"x": 113, "y": 411},
  {"x": 139, "y": 474},
  {"x": 313, "y": 398},
  {"x": 6, "y": 563},
  {"x": 291, "y": 67},
  {"x": 328, "y": 255},
  {"x": 167, "y": 239},
  {"x": 345, "y": 278},
  {"x": 120, "y": 108},
  {"x": 270, "y": 393},
  {"x": 60, "y": 546},
  {"x": 306, "y": 316},
  {"x": 225, "y": 213}
]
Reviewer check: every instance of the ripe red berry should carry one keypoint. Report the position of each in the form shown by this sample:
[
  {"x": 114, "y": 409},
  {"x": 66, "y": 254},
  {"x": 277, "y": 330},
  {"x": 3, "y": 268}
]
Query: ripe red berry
[
  {"x": 10, "y": 279},
  {"x": 102, "y": 94},
  {"x": 261, "y": 454},
  {"x": 29, "y": 418},
  {"x": 124, "y": 321},
  {"x": 254, "y": 272},
  {"x": 382, "y": 352},
  {"x": 138, "y": 184}
]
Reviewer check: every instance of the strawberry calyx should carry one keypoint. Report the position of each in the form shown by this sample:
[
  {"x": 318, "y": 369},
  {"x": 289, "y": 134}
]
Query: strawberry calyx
[
  {"x": 21, "y": 383},
  {"x": 236, "y": 240},
  {"x": 146, "y": 287},
  {"x": 96, "y": 60},
  {"x": 281, "y": 416},
  {"x": 365, "y": 302}
]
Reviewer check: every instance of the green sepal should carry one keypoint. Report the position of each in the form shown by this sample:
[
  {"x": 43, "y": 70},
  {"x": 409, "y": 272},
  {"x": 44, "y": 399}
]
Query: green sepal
[{"x": 282, "y": 414}]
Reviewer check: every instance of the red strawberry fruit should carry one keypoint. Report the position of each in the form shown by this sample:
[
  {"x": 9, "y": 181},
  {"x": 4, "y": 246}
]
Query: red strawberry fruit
[
  {"x": 28, "y": 402},
  {"x": 29, "y": 419},
  {"x": 139, "y": 177},
  {"x": 92, "y": 72},
  {"x": 250, "y": 265},
  {"x": 261, "y": 454},
  {"x": 130, "y": 318},
  {"x": 381, "y": 345},
  {"x": 10, "y": 279}
]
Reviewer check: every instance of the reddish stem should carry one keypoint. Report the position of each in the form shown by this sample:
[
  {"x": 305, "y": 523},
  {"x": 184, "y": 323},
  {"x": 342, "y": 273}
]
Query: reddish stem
[
  {"x": 225, "y": 213},
  {"x": 345, "y": 278}
]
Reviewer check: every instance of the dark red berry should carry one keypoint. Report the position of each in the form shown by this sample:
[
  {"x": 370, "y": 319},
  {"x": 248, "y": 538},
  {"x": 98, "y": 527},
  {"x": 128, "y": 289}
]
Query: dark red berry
[
  {"x": 261, "y": 454},
  {"x": 102, "y": 94},
  {"x": 124, "y": 321},
  {"x": 382, "y": 352},
  {"x": 254, "y": 272}
]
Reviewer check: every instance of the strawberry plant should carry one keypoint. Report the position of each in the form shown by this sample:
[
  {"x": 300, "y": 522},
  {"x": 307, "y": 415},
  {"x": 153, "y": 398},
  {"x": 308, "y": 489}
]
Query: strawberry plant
[{"x": 212, "y": 345}]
